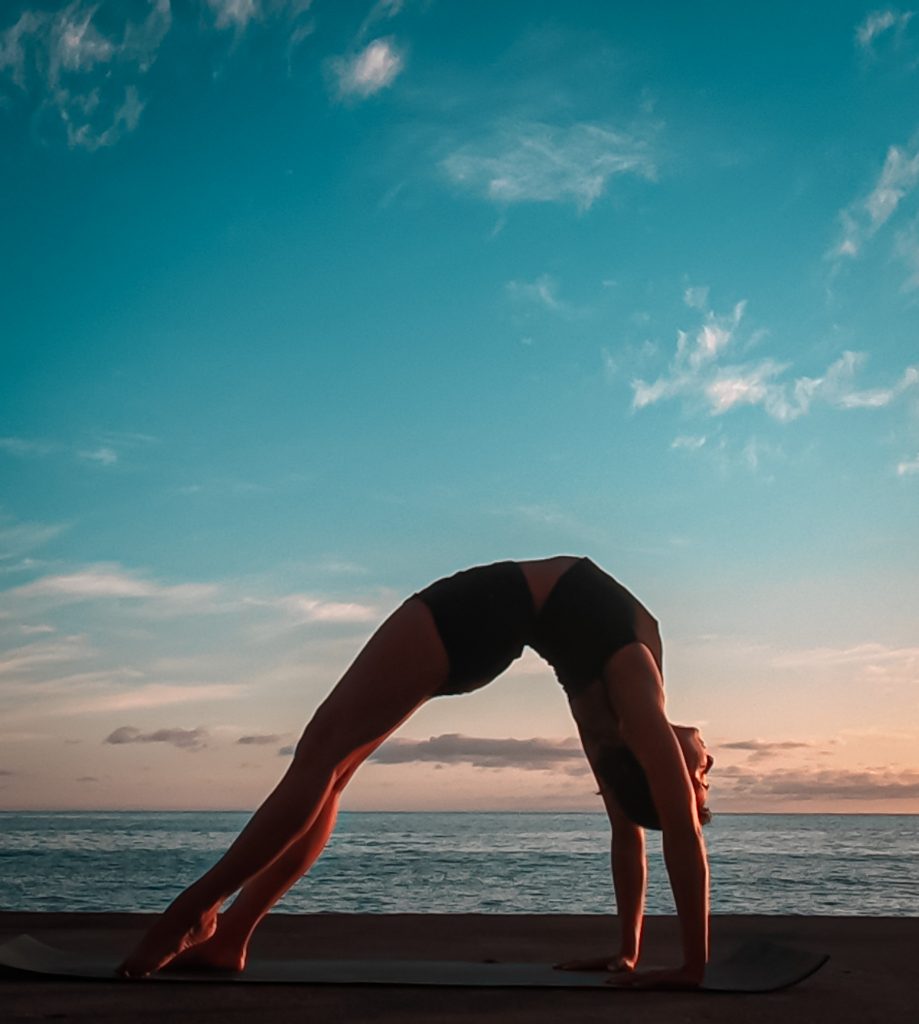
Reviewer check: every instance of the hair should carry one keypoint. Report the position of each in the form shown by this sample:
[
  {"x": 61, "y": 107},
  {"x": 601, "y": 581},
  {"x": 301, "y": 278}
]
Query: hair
[{"x": 619, "y": 769}]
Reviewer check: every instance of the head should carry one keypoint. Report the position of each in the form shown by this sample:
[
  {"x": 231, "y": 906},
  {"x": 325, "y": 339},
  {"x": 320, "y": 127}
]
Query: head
[{"x": 619, "y": 769}]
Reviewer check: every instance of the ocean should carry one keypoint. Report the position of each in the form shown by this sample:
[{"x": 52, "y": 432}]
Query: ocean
[{"x": 508, "y": 863}]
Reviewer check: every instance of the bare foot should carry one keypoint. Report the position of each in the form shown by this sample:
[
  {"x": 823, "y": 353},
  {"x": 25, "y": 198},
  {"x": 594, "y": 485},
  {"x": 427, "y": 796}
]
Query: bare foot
[
  {"x": 218, "y": 953},
  {"x": 176, "y": 931}
]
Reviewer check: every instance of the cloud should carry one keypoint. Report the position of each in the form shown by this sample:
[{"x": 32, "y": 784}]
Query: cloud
[
  {"x": 696, "y": 297},
  {"x": 862, "y": 219},
  {"x": 287, "y": 751},
  {"x": 858, "y": 654},
  {"x": 101, "y": 582},
  {"x": 235, "y": 14},
  {"x": 764, "y": 746},
  {"x": 536, "y": 162},
  {"x": 147, "y": 696},
  {"x": 820, "y": 784},
  {"x": 762, "y": 750},
  {"x": 184, "y": 739},
  {"x": 908, "y": 467},
  {"x": 365, "y": 73},
  {"x": 879, "y": 22},
  {"x": 107, "y": 453},
  {"x": 23, "y": 447},
  {"x": 104, "y": 456},
  {"x": 451, "y": 748},
  {"x": 541, "y": 292},
  {"x": 156, "y": 600},
  {"x": 238, "y": 14},
  {"x": 688, "y": 442},
  {"x": 258, "y": 739},
  {"x": 14, "y": 43},
  {"x": 906, "y": 247},
  {"x": 18, "y": 538},
  {"x": 54, "y": 652},
  {"x": 85, "y": 81},
  {"x": 872, "y": 664},
  {"x": 303, "y": 608},
  {"x": 382, "y": 10},
  {"x": 697, "y": 373}
]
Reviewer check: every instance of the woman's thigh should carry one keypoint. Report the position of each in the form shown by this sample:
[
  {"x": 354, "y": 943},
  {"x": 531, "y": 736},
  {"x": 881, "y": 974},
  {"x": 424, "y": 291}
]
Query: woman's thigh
[{"x": 400, "y": 667}]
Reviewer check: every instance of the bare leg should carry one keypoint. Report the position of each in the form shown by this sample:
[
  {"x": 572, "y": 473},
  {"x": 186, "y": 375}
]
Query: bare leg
[
  {"x": 401, "y": 666},
  {"x": 227, "y": 949}
]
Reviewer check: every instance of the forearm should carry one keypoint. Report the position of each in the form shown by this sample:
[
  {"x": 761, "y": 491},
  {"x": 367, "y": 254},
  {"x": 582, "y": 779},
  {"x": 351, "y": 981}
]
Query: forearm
[
  {"x": 687, "y": 866},
  {"x": 629, "y": 881}
]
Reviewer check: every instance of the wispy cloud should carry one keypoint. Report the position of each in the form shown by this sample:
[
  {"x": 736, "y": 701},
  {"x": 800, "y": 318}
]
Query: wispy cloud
[
  {"x": 869, "y": 662},
  {"x": 105, "y": 693},
  {"x": 451, "y": 748},
  {"x": 150, "y": 696},
  {"x": 184, "y": 739},
  {"x": 303, "y": 608},
  {"x": 696, "y": 296},
  {"x": 85, "y": 78},
  {"x": 105, "y": 449},
  {"x": 258, "y": 739},
  {"x": 102, "y": 456},
  {"x": 382, "y": 10},
  {"x": 234, "y": 14},
  {"x": 908, "y": 467},
  {"x": 24, "y": 659},
  {"x": 542, "y": 292},
  {"x": 862, "y": 219},
  {"x": 23, "y": 447},
  {"x": 155, "y": 599},
  {"x": 373, "y": 68},
  {"x": 880, "y": 22},
  {"x": 84, "y": 63},
  {"x": 537, "y": 162},
  {"x": 689, "y": 442},
  {"x": 111, "y": 581},
  {"x": 17, "y": 539},
  {"x": 699, "y": 374},
  {"x": 906, "y": 247}
]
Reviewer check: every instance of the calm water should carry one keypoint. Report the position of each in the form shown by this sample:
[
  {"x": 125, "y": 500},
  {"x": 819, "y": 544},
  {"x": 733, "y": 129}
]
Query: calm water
[{"x": 447, "y": 863}]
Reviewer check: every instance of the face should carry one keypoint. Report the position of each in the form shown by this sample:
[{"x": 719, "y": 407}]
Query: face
[{"x": 698, "y": 761}]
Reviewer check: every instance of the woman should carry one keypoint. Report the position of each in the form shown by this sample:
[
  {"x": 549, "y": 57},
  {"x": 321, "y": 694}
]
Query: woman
[{"x": 454, "y": 637}]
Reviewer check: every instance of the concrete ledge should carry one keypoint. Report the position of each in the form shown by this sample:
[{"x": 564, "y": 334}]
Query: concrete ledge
[{"x": 871, "y": 976}]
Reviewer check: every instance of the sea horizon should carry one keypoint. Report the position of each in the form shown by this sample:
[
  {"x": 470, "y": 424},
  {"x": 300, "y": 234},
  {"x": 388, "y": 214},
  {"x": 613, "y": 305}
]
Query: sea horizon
[
  {"x": 518, "y": 862},
  {"x": 383, "y": 810}
]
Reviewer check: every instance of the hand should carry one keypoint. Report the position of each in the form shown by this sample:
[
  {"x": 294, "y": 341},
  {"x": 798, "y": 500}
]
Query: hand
[
  {"x": 617, "y": 965},
  {"x": 668, "y": 978}
]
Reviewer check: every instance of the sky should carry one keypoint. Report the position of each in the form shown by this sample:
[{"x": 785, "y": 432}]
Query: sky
[{"x": 306, "y": 304}]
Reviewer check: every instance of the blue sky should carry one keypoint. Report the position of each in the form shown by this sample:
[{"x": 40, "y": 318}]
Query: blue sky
[{"x": 306, "y": 304}]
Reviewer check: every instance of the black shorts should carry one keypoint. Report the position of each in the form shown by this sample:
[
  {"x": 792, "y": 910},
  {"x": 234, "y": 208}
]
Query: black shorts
[
  {"x": 586, "y": 618},
  {"x": 484, "y": 617}
]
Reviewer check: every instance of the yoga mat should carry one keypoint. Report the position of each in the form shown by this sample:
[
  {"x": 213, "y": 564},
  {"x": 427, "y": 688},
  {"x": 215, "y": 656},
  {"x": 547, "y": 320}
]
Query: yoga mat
[{"x": 759, "y": 966}]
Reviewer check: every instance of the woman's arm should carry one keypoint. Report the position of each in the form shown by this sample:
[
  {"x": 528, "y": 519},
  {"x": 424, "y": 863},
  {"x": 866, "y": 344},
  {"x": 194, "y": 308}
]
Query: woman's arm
[
  {"x": 630, "y": 873},
  {"x": 637, "y": 694}
]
